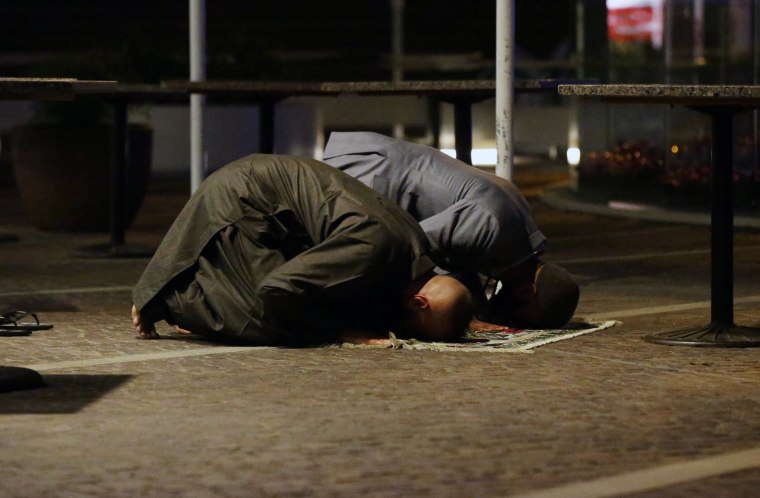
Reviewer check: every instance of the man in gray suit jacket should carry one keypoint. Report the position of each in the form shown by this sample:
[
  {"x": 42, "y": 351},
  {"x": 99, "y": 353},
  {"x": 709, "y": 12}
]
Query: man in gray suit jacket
[{"x": 476, "y": 222}]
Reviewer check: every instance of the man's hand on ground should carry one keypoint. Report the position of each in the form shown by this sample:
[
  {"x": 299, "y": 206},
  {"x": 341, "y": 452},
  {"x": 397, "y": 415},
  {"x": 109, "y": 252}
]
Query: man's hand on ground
[
  {"x": 144, "y": 330},
  {"x": 364, "y": 338},
  {"x": 480, "y": 326}
]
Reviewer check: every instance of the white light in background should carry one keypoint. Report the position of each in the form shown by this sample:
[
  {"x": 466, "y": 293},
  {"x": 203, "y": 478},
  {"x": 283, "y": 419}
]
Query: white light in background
[
  {"x": 573, "y": 156},
  {"x": 480, "y": 157},
  {"x": 484, "y": 157}
]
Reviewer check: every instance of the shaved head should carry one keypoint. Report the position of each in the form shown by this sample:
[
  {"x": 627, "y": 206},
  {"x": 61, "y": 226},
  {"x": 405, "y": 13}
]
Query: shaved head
[{"x": 440, "y": 310}]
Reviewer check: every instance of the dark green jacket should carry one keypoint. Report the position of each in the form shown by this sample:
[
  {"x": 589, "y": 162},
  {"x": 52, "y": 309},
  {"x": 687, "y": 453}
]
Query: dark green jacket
[{"x": 284, "y": 250}]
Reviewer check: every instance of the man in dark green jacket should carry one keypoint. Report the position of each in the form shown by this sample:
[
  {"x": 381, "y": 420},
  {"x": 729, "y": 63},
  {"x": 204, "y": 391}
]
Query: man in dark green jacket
[{"x": 278, "y": 250}]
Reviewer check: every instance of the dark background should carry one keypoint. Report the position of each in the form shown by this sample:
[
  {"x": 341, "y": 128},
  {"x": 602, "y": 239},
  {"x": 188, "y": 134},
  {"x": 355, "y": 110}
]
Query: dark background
[{"x": 147, "y": 40}]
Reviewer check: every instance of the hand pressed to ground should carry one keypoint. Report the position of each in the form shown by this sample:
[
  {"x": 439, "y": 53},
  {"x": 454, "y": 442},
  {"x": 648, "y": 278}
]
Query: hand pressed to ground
[
  {"x": 364, "y": 338},
  {"x": 144, "y": 330},
  {"x": 480, "y": 326}
]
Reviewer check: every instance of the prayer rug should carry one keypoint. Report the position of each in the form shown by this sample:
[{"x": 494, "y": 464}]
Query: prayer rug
[{"x": 505, "y": 341}]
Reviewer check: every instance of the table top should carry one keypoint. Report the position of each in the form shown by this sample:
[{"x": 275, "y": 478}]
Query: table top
[
  {"x": 282, "y": 89},
  {"x": 691, "y": 95},
  {"x": 140, "y": 92},
  {"x": 70, "y": 88},
  {"x": 50, "y": 88}
]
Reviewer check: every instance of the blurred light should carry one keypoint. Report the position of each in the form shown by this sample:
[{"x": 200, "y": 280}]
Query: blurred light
[
  {"x": 674, "y": 149},
  {"x": 484, "y": 157},
  {"x": 480, "y": 157},
  {"x": 573, "y": 156},
  {"x": 627, "y": 206}
]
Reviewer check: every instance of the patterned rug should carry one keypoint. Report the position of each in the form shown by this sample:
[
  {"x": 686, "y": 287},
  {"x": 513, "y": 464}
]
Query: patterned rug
[{"x": 504, "y": 341}]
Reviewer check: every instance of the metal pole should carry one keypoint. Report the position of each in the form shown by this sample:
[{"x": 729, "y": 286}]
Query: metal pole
[
  {"x": 266, "y": 126},
  {"x": 755, "y": 81},
  {"x": 668, "y": 65},
  {"x": 397, "y": 50},
  {"x": 463, "y": 130},
  {"x": 573, "y": 132},
  {"x": 504, "y": 88},
  {"x": 724, "y": 40},
  {"x": 699, "y": 35},
  {"x": 197, "y": 102},
  {"x": 668, "y": 42},
  {"x": 722, "y": 242},
  {"x": 118, "y": 174},
  {"x": 580, "y": 39}
]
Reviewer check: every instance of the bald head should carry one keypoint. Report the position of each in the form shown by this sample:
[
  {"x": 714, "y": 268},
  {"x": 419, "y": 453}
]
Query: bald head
[{"x": 440, "y": 310}]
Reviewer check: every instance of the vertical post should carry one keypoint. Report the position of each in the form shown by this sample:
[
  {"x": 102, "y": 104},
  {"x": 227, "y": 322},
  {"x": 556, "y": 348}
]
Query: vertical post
[
  {"x": 397, "y": 50},
  {"x": 580, "y": 39},
  {"x": 434, "y": 115},
  {"x": 266, "y": 126},
  {"x": 699, "y": 34},
  {"x": 504, "y": 88},
  {"x": 723, "y": 23},
  {"x": 668, "y": 18},
  {"x": 463, "y": 130},
  {"x": 197, "y": 101},
  {"x": 755, "y": 81},
  {"x": 722, "y": 212},
  {"x": 668, "y": 41},
  {"x": 609, "y": 116},
  {"x": 573, "y": 132},
  {"x": 118, "y": 173}
]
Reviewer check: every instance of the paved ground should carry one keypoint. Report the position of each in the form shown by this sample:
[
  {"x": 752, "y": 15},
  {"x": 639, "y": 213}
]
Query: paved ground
[{"x": 605, "y": 414}]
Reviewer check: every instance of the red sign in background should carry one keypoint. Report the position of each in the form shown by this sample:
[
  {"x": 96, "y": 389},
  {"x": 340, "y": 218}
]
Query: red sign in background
[{"x": 630, "y": 24}]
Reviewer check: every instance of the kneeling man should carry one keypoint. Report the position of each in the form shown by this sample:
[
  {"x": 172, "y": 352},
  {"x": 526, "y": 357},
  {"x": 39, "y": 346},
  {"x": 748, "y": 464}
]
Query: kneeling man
[
  {"x": 476, "y": 222},
  {"x": 279, "y": 250}
]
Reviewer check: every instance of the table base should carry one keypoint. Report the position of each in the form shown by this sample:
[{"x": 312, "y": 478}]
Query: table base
[
  {"x": 17, "y": 378},
  {"x": 713, "y": 335},
  {"x": 114, "y": 251}
]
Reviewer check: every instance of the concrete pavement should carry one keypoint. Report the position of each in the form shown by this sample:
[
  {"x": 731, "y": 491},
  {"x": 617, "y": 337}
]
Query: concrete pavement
[{"x": 605, "y": 414}]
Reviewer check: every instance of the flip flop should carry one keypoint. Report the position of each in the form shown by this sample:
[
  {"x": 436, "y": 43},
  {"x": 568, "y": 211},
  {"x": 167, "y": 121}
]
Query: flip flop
[{"x": 11, "y": 325}]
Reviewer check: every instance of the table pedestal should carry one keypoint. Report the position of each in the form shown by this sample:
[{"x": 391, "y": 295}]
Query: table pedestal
[
  {"x": 463, "y": 130},
  {"x": 714, "y": 334},
  {"x": 462, "y": 124},
  {"x": 117, "y": 247},
  {"x": 721, "y": 331}
]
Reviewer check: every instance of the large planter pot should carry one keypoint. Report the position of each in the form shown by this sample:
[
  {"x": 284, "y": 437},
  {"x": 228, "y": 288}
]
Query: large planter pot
[{"x": 63, "y": 174}]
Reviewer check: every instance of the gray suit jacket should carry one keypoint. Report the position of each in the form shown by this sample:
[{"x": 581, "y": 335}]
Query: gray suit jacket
[{"x": 475, "y": 221}]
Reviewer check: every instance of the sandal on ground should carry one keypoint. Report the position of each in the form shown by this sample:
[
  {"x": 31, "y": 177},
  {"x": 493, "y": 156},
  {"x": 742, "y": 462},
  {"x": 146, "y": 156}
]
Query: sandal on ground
[{"x": 11, "y": 323}]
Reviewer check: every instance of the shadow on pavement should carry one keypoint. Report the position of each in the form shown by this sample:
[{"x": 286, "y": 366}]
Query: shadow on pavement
[{"x": 62, "y": 393}]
